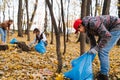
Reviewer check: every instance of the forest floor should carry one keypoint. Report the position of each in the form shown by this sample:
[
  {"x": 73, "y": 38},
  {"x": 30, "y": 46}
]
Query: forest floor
[{"x": 17, "y": 65}]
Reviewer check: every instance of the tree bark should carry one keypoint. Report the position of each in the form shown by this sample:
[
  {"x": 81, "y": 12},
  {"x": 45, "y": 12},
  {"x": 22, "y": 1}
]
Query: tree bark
[
  {"x": 28, "y": 24},
  {"x": 45, "y": 23},
  {"x": 88, "y": 14},
  {"x": 57, "y": 35},
  {"x": 118, "y": 43},
  {"x": 13, "y": 17},
  {"x": 83, "y": 35},
  {"x": 64, "y": 29},
  {"x": 67, "y": 19},
  {"x": 32, "y": 17},
  {"x": 106, "y": 7},
  {"x": 96, "y": 4},
  {"x": 33, "y": 14},
  {"x": 88, "y": 8},
  {"x": 20, "y": 15},
  {"x": 52, "y": 28}
]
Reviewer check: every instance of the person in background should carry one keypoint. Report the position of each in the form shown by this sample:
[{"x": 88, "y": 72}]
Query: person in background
[
  {"x": 39, "y": 36},
  {"x": 4, "y": 27},
  {"x": 107, "y": 28}
]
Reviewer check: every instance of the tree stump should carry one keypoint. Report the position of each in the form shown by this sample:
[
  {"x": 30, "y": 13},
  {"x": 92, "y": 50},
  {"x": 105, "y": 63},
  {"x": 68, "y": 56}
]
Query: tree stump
[
  {"x": 4, "y": 47},
  {"x": 23, "y": 46}
]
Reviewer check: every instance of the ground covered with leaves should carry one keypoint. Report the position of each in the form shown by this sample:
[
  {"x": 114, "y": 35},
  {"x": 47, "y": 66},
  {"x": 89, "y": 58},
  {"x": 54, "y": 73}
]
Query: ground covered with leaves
[{"x": 20, "y": 65}]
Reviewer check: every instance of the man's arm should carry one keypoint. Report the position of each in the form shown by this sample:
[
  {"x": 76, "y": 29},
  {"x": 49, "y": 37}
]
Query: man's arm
[{"x": 92, "y": 40}]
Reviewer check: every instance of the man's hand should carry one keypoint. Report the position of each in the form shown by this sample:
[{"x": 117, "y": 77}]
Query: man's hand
[{"x": 92, "y": 51}]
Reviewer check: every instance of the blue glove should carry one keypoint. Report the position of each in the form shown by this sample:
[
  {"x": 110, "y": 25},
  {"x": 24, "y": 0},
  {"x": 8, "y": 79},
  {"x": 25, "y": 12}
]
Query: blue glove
[{"x": 93, "y": 50}]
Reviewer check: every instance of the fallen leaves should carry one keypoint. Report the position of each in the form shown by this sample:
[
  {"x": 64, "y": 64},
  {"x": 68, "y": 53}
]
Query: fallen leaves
[{"x": 20, "y": 65}]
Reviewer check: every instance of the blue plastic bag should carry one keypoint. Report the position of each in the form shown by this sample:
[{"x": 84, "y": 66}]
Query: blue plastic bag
[
  {"x": 82, "y": 68},
  {"x": 40, "y": 47},
  {"x": 12, "y": 41}
]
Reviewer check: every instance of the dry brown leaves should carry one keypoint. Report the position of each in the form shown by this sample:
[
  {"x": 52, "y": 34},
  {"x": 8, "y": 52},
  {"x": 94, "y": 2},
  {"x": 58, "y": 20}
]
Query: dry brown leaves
[{"x": 35, "y": 66}]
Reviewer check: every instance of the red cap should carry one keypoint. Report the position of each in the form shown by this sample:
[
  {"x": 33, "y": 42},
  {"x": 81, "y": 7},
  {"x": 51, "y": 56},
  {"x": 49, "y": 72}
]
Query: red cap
[{"x": 76, "y": 24}]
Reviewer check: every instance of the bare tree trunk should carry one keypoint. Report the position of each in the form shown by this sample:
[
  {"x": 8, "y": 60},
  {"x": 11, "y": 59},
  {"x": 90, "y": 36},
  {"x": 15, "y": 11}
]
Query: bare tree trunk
[
  {"x": 91, "y": 9},
  {"x": 28, "y": 24},
  {"x": 88, "y": 14},
  {"x": 13, "y": 17},
  {"x": 52, "y": 28},
  {"x": 20, "y": 17},
  {"x": 82, "y": 35},
  {"x": 67, "y": 19},
  {"x": 119, "y": 8},
  {"x": 96, "y": 4},
  {"x": 33, "y": 15},
  {"x": 118, "y": 43},
  {"x": 106, "y": 7},
  {"x": 8, "y": 9},
  {"x": 3, "y": 10},
  {"x": 64, "y": 29},
  {"x": 0, "y": 13},
  {"x": 51, "y": 42},
  {"x": 45, "y": 24},
  {"x": 57, "y": 35},
  {"x": 88, "y": 8}
]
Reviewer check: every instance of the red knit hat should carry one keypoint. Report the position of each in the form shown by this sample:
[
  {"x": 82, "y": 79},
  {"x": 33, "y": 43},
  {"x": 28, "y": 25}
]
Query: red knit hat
[{"x": 76, "y": 24}]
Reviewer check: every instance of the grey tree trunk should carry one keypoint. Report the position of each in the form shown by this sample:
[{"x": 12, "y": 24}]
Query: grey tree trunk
[
  {"x": 13, "y": 17},
  {"x": 28, "y": 24},
  {"x": 20, "y": 18},
  {"x": 67, "y": 20},
  {"x": 52, "y": 26},
  {"x": 106, "y": 7},
  {"x": 33, "y": 14},
  {"x": 83, "y": 35},
  {"x": 32, "y": 17},
  {"x": 96, "y": 4},
  {"x": 118, "y": 43},
  {"x": 64, "y": 29},
  {"x": 45, "y": 23},
  {"x": 57, "y": 35}
]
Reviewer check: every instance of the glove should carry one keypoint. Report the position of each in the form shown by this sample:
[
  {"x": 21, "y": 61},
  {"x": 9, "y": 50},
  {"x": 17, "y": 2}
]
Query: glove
[{"x": 93, "y": 51}]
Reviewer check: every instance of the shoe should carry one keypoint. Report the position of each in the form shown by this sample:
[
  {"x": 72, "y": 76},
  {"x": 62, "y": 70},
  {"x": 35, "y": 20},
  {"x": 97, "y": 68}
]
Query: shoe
[{"x": 101, "y": 76}]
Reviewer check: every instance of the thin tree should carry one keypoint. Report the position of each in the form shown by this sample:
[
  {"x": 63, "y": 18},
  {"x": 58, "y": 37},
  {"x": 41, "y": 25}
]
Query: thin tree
[
  {"x": 28, "y": 24},
  {"x": 67, "y": 20},
  {"x": 52, "y": 26},
  {"x": 59, "y": 18},
  {"x": 13, "y": 17},
  {"x": 0, "y": 13},
  {"x": 8, "y": 5},
  {"x": 119, "y": 8},
  {"x": 88, "y": 10},
  {"x": 96, "y": 5},
  {"x": 83, "y": 35},
  {"x": 63, "y": 22},
  {"x": 118, "y": 43},
  {"x": 45, "y": 23},
  {"x": 106, "y": 7},
  {"x": 52, "y": 29},
  {"x": 20, "y": 18},
  {"x": 4, "y": 6},
  {"x": 33, "y": 15},
  {"x": 57, "y": 35}
]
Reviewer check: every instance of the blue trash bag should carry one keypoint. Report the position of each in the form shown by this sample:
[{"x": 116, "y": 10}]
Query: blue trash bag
[
  {"x": 40, "y": 47},
  {"x": 12, "y": 41},
  {"x": 81, "y": 68}
]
